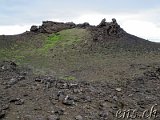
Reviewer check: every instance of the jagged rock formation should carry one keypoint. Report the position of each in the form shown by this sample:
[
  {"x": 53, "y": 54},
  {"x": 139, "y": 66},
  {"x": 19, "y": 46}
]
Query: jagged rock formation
[
  {"x": 52, "y": 27},
  {"x": 109, "y": 36},
  {"x": 99, "y": 32},
  {"x": 34, "y": 28},
  {"x": 107, "y": 30}
]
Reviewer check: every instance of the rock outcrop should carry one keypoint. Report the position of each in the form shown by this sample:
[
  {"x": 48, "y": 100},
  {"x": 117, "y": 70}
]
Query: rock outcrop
[
  {"x": 107, "y": 30},
  {"x": 53, "y": 27},
  {"x": 83, "y": 25},
  {"x": 34, "y": 28},
  {"x": 103, "y": 29}
]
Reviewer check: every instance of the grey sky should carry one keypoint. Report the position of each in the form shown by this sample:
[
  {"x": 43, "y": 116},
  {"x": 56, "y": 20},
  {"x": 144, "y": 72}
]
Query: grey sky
[{"x": 22, "y": 13}]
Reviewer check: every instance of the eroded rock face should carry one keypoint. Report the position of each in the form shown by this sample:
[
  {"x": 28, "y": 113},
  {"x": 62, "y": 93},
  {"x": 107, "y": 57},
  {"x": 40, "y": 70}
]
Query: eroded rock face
[
  {"x": 102, "y": 30},
  {"x": 107, "y": 30},
  {"x": 53, "y": 27}
]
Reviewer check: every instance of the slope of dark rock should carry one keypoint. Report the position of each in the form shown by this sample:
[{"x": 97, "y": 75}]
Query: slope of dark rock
[
  {"x": 26, "y": 96},
  {"x": 110, "y": 35},
  {"x": 105, "y": 35}
]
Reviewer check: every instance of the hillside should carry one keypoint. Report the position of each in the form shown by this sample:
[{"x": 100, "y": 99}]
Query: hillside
[
  {"x": 82, "y": 51},
  {"x": 68, "y": 71}
]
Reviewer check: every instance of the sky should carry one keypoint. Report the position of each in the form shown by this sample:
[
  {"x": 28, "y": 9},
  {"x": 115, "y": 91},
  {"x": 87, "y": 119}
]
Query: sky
[{"x": 138, "y": 17}]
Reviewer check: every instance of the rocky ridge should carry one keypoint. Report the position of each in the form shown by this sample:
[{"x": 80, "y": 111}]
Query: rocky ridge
[{"x": 53, "y": 27}]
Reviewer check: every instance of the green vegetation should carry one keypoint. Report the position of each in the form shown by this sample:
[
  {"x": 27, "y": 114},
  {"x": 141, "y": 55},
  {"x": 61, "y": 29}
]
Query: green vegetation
[
  {"x": 63, "y": 53},
  {"x": 37, "y": 50},
  {"x": 41, "y": 44},
  {"x": 63, "y": 39},
  {"x": 50, "y": 42}
]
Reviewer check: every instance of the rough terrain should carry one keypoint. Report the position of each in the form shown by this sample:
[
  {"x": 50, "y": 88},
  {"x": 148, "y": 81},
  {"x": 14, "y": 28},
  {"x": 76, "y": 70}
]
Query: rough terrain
[
  {"x": 25, "y": 96},
  {"x": 67, "y": 71}
]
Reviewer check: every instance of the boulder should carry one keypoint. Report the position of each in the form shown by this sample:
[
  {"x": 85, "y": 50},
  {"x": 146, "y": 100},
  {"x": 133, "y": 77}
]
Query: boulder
[
  {"x": 79, "y": 117},
  {"x": 53, "y": 117},
  {"x": 114, "y": 20},
  {"x": 71, "y": 24},
  {"x": 2, "y": 114},
  {"x": 102, "y": 23},
  {"x": 34, "y": 28},
  {"x": 83, "y": 25}
]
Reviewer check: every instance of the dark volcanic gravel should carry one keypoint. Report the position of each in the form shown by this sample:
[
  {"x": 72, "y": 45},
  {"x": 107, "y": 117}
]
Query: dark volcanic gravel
[{"x": 25, "y": 96}]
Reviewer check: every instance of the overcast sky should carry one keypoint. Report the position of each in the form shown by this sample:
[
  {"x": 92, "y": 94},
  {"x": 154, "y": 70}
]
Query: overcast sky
[{"x": 138, "y": 17}]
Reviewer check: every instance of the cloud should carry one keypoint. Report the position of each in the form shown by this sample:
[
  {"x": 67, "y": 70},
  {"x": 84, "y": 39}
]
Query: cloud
[
  {"x": 25, "y": 12},
  {"x": 144, "y": 29},
  {"x": 13, "y": 29},
  {"x": 145, "y": 24}
]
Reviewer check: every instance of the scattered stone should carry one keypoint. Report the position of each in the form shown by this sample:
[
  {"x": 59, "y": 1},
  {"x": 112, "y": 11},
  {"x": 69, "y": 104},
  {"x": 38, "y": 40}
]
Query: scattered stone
[
  {"x": 103, "y": 114},
  {"x": 86, "y": 99},
  {"x": 2, "y": 67},
  {"x": 13, "y": 64},
  {"x": 38, "y": 79},
  {"x": 13, "y": 81},
  {"x": 103, "y": 97},
  {"x": 59, "y": 111},
  {"x": 62, "y": 85},
  {"x": 38, "y": 118},
  {"x": 73, "y": 85},
  {"x": 79, "y": 117},
  {"x": 5, "y": 107},
  {"x": 27, "y": 117},
  {"x": 76, "y": 90},
  {"x": 2, "y": 114},
  {"x": 17, "y": 101},
  {"x": 115, "y": 98},
  {"x": 119, "y": 89},
  {"x": 60, "y": 96},
  {"x": 21, "y": 77},
  {"x": 37, "y": 107},
  {"x": 53, "y": 117},
  {"x": 68, "y": 101},
  {"x": 103, "y": 106}
]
